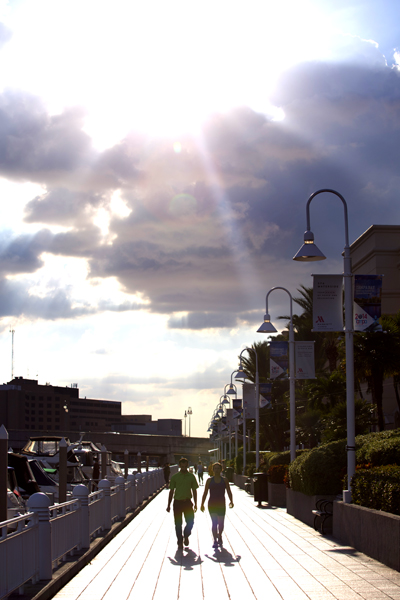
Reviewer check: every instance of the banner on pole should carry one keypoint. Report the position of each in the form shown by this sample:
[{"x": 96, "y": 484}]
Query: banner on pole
[
  {"x": 328, "y": 303},
  {"x": 367, "y": 302},
  {"x": 249, "y": 404},
  {"x": 278, "y": 359},
  {"x": 305, "y": 364},
  {"x": 237, "y": 407},
  {"x": 265, "y": 395}
]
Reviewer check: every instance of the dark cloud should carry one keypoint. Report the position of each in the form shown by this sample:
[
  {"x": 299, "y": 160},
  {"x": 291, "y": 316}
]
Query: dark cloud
[
  {"x": 65, "y": 207},
  {"x": 21, "y": 254},
  {"x": 214, "y": 226},
  {"x": 37, "y": 146}
]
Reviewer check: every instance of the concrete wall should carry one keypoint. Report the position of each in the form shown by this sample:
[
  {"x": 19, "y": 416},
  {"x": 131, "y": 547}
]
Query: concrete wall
[
  {"x": 301, "y": 506},
  {"x": 373, "y": 532}
]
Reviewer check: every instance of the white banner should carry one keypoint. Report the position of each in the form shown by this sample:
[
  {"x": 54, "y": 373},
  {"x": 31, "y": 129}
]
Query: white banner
[
  {"x": 328, "y": 303},
  {"x": 305, "y": 364},
  {"x": 249, "y": 400}
]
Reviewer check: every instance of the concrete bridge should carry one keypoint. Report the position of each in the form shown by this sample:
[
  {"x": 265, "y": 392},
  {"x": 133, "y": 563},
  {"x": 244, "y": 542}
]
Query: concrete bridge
[{"x": 164, "y": 448}]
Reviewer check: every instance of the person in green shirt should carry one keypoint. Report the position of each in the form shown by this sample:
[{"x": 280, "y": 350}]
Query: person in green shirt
[{"x": 181, "y": 488}]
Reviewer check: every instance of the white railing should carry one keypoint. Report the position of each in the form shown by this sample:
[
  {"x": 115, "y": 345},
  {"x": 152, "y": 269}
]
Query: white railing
[{"x": 33, "y": 544}]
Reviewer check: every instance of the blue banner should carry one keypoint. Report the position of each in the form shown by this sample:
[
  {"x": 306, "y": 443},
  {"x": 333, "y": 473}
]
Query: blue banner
[
  {"x": 367, "y": 302},
  {"x": 278, "y": 359}
]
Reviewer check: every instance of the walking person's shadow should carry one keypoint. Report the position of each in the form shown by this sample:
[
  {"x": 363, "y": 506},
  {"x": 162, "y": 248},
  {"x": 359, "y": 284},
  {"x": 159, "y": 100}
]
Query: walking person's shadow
[
  {"x": 221, "y": 555},
  {"x": 187, "y": 560}
]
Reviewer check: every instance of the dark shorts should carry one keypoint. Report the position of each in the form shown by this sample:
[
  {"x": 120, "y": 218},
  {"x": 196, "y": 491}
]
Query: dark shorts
[{"x": 219, "y": 510}]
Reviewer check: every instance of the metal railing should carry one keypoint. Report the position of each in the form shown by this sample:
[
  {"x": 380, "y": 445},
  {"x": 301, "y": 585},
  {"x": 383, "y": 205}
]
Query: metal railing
[{"x": 32, "y": 545}]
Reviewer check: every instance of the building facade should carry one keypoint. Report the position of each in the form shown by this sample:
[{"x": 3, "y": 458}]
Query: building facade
[{"x": 377, "y": 252}]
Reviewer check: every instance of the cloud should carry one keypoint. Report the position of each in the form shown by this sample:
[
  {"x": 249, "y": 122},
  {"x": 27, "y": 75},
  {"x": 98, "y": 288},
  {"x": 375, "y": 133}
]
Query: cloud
[
  {"x": 209, "y": 230},
  {"x": 5, "y": 35},
  {"x": 37, "y": 146}
]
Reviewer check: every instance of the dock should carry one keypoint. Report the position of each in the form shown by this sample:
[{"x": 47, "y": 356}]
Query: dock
[{"x": 267, "y": 555}]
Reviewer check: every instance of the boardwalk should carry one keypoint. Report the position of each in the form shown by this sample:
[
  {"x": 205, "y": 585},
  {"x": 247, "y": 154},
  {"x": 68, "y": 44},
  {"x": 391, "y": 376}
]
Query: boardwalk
[{"x": 267, "y": 555}]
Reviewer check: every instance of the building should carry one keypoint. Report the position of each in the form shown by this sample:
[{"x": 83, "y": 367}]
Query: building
[
  {"x": 377, "y": 252},
  {"x": 144, "y": 424},
  {"x": 26, "y": 405}
]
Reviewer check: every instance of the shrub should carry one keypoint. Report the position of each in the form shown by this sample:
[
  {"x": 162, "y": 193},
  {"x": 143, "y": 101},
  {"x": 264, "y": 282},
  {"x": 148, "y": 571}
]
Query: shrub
[
  {"x": 250, "y": 469},
  {"x": 378, "y": 488},
  {"x": 277, "y": 473},
  {"x": 320, "y": 470},
  {"x": 379, "y": 448}
]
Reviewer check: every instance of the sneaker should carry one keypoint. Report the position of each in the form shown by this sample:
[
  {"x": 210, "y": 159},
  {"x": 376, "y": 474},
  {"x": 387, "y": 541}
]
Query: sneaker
[
  {"x": 215, "y": 544},
  {"x": 186, "y": 540}
]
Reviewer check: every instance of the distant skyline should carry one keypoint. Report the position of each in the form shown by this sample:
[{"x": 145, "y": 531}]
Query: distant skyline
[{"x": 155, "y": 163}]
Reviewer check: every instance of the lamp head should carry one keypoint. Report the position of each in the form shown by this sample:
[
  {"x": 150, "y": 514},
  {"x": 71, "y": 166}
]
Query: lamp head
[
  {"x": 231, "y": 390},
  {"x": 267, "y": 326},
  {"x": 225, "y": 400},
  {"x": 240, "y": 374},
  {"x": 309, "y": 251}
]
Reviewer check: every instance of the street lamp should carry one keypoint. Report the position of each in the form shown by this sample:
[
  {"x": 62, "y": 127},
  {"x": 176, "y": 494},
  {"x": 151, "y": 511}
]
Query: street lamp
[
  {"x": 185, "y": 422},
  {"x": 267, "y": 327},
  {"x": 310, "y": 252},
  {"x": 189, "y": 412},
  {"x": 241, "y": 375}
]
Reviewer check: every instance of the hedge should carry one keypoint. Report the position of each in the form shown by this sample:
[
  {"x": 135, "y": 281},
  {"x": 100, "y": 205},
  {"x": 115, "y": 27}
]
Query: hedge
[
  {"x": 378, "y": 488},
  {"x": 320, "y": 470}
]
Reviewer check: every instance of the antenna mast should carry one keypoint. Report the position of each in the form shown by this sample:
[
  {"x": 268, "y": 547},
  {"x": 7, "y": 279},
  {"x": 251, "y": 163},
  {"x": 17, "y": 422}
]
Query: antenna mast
[{"x": 12, "y": 331}]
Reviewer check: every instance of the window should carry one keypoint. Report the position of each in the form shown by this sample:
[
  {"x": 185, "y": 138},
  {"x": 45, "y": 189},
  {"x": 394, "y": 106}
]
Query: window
[
  {"x": 57, "y": 420},
  {"x": 40, "y": 419},
  {"x": 49, "y": 412}
]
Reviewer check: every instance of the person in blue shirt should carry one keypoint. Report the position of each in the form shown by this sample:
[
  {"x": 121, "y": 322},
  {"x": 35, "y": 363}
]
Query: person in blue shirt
[{"x": 217, "y": 486}]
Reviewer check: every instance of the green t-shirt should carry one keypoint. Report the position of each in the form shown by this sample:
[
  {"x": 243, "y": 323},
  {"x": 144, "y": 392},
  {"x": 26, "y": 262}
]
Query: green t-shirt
[{"x": 183, "y": 484}]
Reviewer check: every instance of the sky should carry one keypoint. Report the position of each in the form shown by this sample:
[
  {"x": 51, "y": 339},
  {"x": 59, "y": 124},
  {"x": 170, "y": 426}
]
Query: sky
[{"x": 155, "y": 163}]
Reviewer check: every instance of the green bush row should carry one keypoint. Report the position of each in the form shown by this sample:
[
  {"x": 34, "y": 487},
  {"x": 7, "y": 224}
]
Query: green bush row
[
  {"x": 322, "y": 470},
  {"x": 378, "y": 488}
]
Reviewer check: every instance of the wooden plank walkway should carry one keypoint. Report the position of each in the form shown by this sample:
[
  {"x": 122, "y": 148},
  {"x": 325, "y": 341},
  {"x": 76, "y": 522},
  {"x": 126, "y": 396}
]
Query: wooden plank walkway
[{"x": 267, "y": 555}]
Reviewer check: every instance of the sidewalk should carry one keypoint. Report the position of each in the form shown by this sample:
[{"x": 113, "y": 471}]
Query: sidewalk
[{"x": 267, "y": 555}]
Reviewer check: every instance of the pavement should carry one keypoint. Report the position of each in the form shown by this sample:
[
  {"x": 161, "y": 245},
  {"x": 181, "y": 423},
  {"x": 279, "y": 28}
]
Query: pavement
[{"x": 267, "y": 554}]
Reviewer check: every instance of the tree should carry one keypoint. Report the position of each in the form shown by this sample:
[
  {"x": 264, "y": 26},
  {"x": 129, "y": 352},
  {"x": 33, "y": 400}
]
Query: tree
[{"x": 376, "y": 357}]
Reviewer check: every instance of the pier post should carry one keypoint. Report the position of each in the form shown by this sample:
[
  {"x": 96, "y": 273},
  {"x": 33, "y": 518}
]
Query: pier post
[
  {"x": 132, "y": 491},
  {"x": 62, "y": 481},
  {"x": 3, "y": 473},
  {"x": 82, "y": 493},
  {"x": 39, "y": 503},
  {"x": 105, "y": 486},
  {"x": 120, "y": 483}
]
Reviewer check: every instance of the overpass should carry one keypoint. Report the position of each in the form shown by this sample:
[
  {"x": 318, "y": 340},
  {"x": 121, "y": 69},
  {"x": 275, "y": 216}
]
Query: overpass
[{"x": 165, "y": 448}]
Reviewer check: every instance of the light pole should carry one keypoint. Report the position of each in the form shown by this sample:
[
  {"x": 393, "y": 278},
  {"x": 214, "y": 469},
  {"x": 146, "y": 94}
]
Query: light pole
[
  {"x": 310, "y": 252},
  {"x": 185, "y": 422},
  {"x": 267, "y": 327},
  {"x": 189, "y": 412},
  {"x": 241, "y": 375}
]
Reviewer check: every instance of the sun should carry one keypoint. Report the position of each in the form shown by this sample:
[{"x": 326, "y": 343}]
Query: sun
[{"x": 160, "y": 67}]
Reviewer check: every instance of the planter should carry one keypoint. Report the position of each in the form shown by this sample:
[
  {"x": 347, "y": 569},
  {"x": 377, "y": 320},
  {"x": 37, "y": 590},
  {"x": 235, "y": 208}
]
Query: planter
[
  {"x": 373, "y": 532},
  {"x": 277, "y": 494},
  {"x": 300, "y": 505},
  {"x": 240, "y": 480}
]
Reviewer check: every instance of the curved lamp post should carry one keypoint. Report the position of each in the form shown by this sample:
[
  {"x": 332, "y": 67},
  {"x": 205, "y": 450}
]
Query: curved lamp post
[
  {"x": 310, "y": 252},
  {"x": 241, "y": 375},
  {"x": 189, "y": 412},
  {"x": 267, "y": 327}
]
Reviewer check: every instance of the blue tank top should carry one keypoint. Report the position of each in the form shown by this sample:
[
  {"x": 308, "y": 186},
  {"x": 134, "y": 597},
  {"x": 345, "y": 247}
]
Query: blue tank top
[{"x": 217, "y": 493}]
